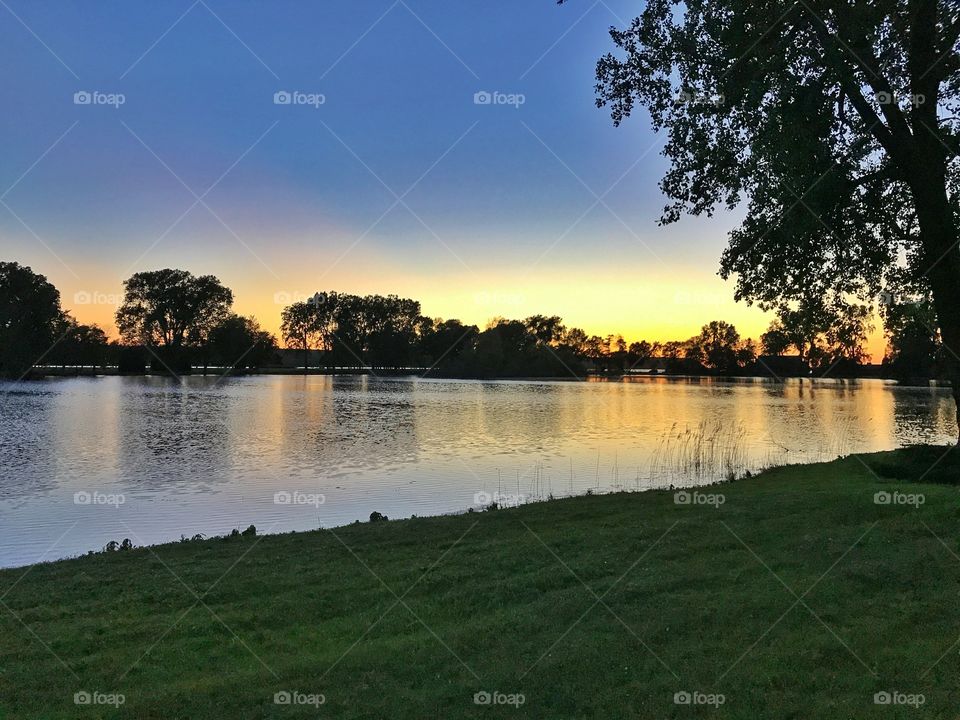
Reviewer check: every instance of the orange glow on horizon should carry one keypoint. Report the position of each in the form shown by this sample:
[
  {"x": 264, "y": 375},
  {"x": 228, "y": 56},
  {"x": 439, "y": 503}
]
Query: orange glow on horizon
[{"x": 654, "y": 310}]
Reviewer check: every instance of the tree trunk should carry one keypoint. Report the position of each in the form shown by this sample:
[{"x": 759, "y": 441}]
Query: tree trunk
[
  {"x": 945, "y": 282},
  {"x": 941, "y": 262}
]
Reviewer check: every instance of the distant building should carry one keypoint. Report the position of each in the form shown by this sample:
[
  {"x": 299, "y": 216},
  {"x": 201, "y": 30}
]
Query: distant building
[
  {"x": 294, "y": 358},
  {"x": 651, "y": 366},
  {"x": 658, "y": 365},
  {"x": 778, "y": 366}
]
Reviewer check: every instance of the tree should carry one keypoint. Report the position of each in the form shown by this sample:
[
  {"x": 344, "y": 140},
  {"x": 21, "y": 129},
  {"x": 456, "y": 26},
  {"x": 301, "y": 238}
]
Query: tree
[
  {"x": 835, "y": 123},
  {"x": 824, "y": 331},
  {"x": 240, "y": 342},
  {"x": 172, "y": 310},
  {"x": 576, "y": 340},
  {"x": 548, "y": 331},
  {"x": 302, "y": 328},
  {"x": 718, "y": 346},
  {"x": 777, "y": 339},
  {"x": 81, "y": 345},
  {"x": 30, "y": 317},
  {"x": 914, "y": 350},
  {"x": 673, "y": 349},
  {"x": 444, "y": 342},
  {"x": 641, "y": 350}
]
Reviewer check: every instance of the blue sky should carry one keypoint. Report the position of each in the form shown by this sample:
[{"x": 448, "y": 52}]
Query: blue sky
[{"x": 502, "y": 217}]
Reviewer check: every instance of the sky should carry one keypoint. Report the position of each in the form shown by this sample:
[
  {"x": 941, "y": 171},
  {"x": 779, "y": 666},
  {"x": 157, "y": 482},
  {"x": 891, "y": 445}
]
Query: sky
[{"x": 447, "y": 151}]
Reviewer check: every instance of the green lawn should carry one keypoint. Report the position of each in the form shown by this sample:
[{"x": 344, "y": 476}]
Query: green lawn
[{"x": 797, "y": 597}]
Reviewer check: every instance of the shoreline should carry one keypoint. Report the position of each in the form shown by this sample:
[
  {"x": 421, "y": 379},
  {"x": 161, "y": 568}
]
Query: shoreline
[
  {"x": 216, "y": 373},
  {"x": 201, "y": 537}
]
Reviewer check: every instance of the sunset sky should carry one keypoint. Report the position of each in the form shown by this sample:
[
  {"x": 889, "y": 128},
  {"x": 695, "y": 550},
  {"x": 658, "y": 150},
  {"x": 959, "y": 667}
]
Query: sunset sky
[{"x": 398, "y": 182}]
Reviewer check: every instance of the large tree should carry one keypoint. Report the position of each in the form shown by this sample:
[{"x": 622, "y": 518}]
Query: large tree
[
  {"x": 30, "y": 318},
  {"x": 835, "y": 124},
  {"x": 172, "y": 310}
]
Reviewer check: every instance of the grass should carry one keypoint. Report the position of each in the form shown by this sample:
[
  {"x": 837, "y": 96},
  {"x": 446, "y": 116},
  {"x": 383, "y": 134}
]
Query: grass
[{"x": 797, "y": 597}]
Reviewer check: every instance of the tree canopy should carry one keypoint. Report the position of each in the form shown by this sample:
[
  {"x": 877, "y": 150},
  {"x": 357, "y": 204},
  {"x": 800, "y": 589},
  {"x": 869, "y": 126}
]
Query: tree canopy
[
  {"x": 30, "y": 317},
  {"x": 171, "y": 308}
]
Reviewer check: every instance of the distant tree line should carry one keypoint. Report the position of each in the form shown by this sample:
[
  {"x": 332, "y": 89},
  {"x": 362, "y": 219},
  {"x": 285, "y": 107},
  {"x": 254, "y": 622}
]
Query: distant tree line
[
  {"x": 169, "y": 320},
  {"x": 174, "y": 321},
  {"x": 390, "y": 333},
  {"x": 34, "y": 329}
]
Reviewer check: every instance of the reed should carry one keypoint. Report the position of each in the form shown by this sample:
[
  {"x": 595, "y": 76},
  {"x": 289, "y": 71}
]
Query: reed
[{"x": 707, "y": 452}]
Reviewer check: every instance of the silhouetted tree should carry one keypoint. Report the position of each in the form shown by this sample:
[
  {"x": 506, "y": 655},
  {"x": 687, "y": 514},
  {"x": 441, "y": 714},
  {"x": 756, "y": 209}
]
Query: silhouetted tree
[
  {"x": 546, "y": 330},
  {"x": 302, "y": 329},
  {"x": 170, "y": 311},
  {"x": 240, "y": 342},
  {"x": 577, "y": 341},
  {"x": 836, "y": 123},
  {"x": 82, "y": 345},
  {"x": 445, "y": 343},
  {"x": 824, "y": 331},
  {"x": 640, "y": 352},
  {"x": 777, "y": 339},
  {"x": 914, "y": 349},
  {"x": 30, "y": 318},
  {"x": 719, "y": 347}
]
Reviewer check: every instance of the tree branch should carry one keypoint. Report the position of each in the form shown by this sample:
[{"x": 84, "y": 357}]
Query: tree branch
[{"x": 890, "y": 142}]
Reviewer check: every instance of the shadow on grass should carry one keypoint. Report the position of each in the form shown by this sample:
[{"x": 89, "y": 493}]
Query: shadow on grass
[{"x": 937, "y": 464}]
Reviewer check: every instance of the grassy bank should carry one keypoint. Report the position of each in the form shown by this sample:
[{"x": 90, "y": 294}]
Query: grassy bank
[{"x": 798, "y": 596}]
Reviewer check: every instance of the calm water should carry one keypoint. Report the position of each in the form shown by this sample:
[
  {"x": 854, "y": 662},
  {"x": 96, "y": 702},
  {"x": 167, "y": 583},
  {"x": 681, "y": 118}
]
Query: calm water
[{"x": 85, "y": 461}]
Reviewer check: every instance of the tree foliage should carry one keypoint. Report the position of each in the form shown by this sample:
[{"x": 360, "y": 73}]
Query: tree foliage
[
  {"x": 719, "y": 346},
  {"x": 822, "y": 330},
  {"x": 240, "y": 342},
  {"x": 171, "y": 308},
  {"x": 915, "y": 350},
  {"x": 30, "y": 318}
]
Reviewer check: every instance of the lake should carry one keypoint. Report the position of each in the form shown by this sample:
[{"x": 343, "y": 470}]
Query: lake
[{"x": 89, "y": 460}]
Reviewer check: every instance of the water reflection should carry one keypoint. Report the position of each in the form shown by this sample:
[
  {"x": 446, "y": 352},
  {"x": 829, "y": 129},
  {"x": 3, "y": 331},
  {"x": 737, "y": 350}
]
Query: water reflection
[{"x": 207, "y": 455}]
